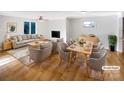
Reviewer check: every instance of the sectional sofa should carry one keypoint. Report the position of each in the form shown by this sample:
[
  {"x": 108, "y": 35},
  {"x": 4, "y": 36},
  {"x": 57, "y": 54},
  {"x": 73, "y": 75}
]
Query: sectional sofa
[{"x": 23, "y": 40}]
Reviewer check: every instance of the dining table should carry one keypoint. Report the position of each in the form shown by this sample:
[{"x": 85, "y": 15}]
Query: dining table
[
  {"x": 92, "y": 38},
  {"x": 85, "y": 51}
]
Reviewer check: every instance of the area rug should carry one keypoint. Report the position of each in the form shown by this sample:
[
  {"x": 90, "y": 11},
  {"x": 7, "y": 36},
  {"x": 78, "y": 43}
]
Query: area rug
[{"x": 22, "y": 54}]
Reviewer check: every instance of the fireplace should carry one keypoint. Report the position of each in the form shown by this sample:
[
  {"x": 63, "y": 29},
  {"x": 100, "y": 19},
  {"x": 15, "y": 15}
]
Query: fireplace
[{"x": 55, "y": 34}]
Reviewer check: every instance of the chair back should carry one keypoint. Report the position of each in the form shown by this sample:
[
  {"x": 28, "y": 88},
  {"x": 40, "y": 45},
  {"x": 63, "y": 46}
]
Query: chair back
[
  {"x": 63, "y": 53},
  {"x": 41, "y": 54},
  {"x": 98, "y": 61},
  {"x": 69, "y": 42},
  {"x": 98, "y": 47}
]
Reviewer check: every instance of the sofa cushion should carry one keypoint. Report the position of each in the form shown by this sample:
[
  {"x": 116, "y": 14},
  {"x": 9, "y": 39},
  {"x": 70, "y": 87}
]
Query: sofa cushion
[
  {"x": 37, "y": 36},
  {"x": 40, "y": 37},
  {"x": 15, "y": 38},
  {"x": 19, "y": 38},
  {"x": 29, "y": 40},
  {"x": 28, "y": 36},
  {"x": 22, "y": 42},
  {"x": 24, "y": 37},
  {"x": 34, "y": 36}
]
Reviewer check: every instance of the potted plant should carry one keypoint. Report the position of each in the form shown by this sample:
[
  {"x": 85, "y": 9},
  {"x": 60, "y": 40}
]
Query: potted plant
[{"x": 112, "y": 42}]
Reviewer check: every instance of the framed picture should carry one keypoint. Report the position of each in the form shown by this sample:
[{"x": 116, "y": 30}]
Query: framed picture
[{"x": 11, "y": 27}]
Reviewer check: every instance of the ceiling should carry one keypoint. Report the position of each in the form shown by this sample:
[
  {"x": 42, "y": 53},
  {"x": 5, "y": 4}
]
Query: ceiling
[{"x": 57, "y": 14}]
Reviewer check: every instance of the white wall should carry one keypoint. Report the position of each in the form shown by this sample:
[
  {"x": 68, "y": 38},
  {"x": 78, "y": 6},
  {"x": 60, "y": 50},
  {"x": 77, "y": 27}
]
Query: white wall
[
  {"x": 42, "y": 27},
  {"x": 104, "y": 25},
  {"x": 20, "y": 26},
  {"x": 120, "y": 34},
  {"x": 55, "y": 25},
  {"x": 68, "y": 27}
]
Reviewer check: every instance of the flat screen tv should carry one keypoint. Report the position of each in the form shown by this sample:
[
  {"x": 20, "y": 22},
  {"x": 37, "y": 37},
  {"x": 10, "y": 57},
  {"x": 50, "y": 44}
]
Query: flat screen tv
[{"x": 55, "y": 34}]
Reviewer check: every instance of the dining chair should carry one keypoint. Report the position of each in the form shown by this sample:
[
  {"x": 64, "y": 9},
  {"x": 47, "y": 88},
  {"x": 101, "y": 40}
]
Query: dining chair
[
  {"x": 63, "y": 53},
  {"x": 97, "y": 47},
  {"x": 69, "y": 42},
  {"x": 96, "y": 62},
  {"x": 79, "y": 61},
  {"x": 55, "y": 49},
  {"x": 60, "y": 40},
  {"x": 97, "y": 50}
]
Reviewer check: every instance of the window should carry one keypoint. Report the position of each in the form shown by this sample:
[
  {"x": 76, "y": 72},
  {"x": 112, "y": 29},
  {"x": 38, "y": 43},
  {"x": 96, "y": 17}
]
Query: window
[
  {"x": 26, "y": 27},
  {"x": 88, "y": 24},
  {"x": 29, "y": 28},
  {"x": 32, "y": 27}
]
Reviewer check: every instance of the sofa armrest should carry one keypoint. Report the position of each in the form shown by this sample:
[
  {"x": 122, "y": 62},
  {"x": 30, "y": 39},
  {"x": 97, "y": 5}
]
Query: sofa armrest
[{"x": 13, "y": 43}]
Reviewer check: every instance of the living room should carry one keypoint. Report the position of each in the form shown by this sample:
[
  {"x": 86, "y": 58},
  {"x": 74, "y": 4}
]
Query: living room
[
  {"x": 69, "y": 25},
  {"x": 66, "y": 26}
]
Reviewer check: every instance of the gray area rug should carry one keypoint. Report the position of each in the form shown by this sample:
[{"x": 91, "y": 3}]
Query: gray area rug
[{"x": 22, "y": 54}]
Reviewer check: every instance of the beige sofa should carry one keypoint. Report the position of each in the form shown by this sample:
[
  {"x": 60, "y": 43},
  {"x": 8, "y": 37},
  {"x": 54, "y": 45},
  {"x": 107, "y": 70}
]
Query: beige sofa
[{"x": 23, "y": 40}]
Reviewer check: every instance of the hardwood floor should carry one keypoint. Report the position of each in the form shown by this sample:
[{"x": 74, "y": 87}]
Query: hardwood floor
[{"x": 13, "y": 69}]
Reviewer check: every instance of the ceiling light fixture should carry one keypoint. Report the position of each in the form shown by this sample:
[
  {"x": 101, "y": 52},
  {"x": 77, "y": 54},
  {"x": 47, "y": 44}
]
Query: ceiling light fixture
[
  {"x": 83, "y": 12},
  {"x": 40, "y": 18}
]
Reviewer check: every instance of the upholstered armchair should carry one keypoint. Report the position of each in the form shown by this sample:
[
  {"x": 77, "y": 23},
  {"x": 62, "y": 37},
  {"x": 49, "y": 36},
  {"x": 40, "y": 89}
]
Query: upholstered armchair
[
  {"x": 97, "y": 61},
  {"x": 63, "y": 53},
  {"x": 69, "y": 42},
  {"x": 55, "y": 49},
  {"x": 38, "y": 55},
  {"x": 97, "y": 50},
  {"x": 97, "y": 47}
]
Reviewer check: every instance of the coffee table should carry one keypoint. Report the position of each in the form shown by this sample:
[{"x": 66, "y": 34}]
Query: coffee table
[{"x": 37, "y": 43}]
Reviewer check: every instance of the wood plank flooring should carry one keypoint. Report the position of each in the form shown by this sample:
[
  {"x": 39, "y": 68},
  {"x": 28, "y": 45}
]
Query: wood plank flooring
[{"x": 49, "y": 69}]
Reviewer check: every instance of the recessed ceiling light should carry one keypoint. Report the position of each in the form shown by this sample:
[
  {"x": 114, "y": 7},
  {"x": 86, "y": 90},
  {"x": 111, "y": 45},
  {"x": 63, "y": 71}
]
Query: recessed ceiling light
[{"x": 83, "y": 12}]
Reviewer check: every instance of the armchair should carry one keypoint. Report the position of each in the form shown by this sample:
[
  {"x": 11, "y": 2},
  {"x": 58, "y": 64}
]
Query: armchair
[
  {"x": 38, "y": 55},
  {"x": 97, "y": 61},
  {"x": 63, "y": 53}
]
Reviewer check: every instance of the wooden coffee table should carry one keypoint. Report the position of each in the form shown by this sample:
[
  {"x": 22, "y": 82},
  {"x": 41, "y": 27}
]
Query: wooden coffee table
[{"x": 37, "y": 43}]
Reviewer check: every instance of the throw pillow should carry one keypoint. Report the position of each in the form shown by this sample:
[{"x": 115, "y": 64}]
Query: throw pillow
[
  {"x": 24, "y": 37},
  {"x": 15, "y": 39},
  {"x": 19, "y": 38}
]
